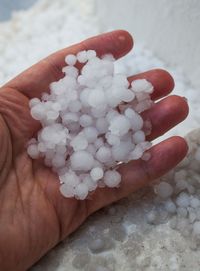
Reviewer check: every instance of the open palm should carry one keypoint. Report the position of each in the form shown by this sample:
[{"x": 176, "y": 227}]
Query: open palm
[{"x": 34, "y": 216}]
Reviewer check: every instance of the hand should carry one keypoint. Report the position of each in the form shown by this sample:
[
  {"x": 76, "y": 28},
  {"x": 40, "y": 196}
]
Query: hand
[{"x": 34, "y": 216}]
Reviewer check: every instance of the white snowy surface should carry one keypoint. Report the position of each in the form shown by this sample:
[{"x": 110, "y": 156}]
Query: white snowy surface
[
  {"x": 118, "y": 237},
  {"x": 46, "y": 27}
]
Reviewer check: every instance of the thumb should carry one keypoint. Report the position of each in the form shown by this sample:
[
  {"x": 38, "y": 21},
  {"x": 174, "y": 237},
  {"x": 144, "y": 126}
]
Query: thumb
[{"x": 5, "y": 150}]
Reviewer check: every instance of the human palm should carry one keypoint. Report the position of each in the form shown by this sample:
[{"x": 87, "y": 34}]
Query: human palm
[{"x": 34, "y": 216}]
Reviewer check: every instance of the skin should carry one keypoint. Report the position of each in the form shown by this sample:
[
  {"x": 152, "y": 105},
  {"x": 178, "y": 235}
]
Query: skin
[{"x": 34, "y": 216}]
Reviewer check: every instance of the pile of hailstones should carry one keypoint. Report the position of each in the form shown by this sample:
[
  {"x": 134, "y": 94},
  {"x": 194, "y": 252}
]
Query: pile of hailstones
[
  {"x": 178, "y": 194},
  {"x": 91, "y": 122}
]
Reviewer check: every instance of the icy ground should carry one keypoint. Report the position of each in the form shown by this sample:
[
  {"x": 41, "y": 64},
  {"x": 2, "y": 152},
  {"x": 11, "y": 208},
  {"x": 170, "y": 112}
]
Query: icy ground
[{"x": 117, "y": 237}]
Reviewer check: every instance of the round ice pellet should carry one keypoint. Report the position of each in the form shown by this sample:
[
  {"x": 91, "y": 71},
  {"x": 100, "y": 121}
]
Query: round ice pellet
[
  {"x": 146, "y": 156},
  {"x": 91, "y": 149},
  {"x": 38, "y": 111},
  {"x": 96, "y": 98},
  {"x": 170, "y": 206},
  {"x": 112, "y": 139},
  {"x": 138, "y": 137},
  {"x": 194, "y": 202},
  {"x": 70, "y": 60},
  {"x": 81, "y": 260},
  {"x": 121, "y": 152},
  {"x": 97, "y": 245},
  {"x": 56, "y": 106},
  {"x": 128, "y": 96},
  {"x": 96, "y": 173},
  {"x": 33, "y": 151},
  {"x": 84, "y": 97},
  {"x": 85, "y": 120},
  {"x": 67, "y": 191},
  {"x": 91, "y": 54},
  {"x": 102, "y": 125},
  {"x": 52, "y": 115},
  {"x": 91, "y": 134},
  {"x": 164, "y": 190},
  {"x": 81, "y": 160},
  {"x": 135, "y": 119},
  {"x": 34, "y": 102},
  {"x": 103, "y": 154},
  {"x": 70, "y": 71},
  {"x": 42, "y": 147},
  {"x": 151, "y": 216},
  {"x": 87, "y": 180},
  {"x": 136, "y": 153},
  {"x": 70, "y": 178},
  {"x": 82, "y": 56},
  {"x": 181, "y": 184},
  {"x": 183, "y": 200},
  {"x": 98, "y": 143},
  {"x": 112, "y": 178},
  {"x": 70, "y": 118},
  {"x": 120, "y": 125},
  {"x": 142, "y": 85},
  {"x": 79, "y": 142},
  {"x": 81, "y": 191},
  {"x": 58, "y": 160},
  {"x": 75, "y": 106}
]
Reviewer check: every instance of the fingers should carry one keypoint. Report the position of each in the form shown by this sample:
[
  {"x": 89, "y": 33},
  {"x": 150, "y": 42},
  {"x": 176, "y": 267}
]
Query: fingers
[
  {"x": 36, "y": 79},
  {"x": 118, "y": 43},
  {"x": 164, "y": 156},
  {"x": 161, "y": 80},
  {"x": 165, "y": 114},
  {"x": 137, "y": 174}
]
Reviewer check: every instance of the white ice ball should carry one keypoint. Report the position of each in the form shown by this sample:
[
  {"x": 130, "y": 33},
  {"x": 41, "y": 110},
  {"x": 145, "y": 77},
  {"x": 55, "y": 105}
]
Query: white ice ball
[
  {"x": 81, "y": 191},
  {"x": 81, "y": 160},
  {"x": 67, "y": 191},
  {"x": 164, "y": 190},
  {"x": 96, "y": 173},
  {"x": 85, "y": 120},
  {"x": 183, "y": 200},
  {"x": 90, "y": 133},
  {"x": 70, "y": 60},
  {"x": 142, "y": 85},
  {"x": 79, "y": 142},
  {"x": 103, "y": 154},
  {"x": 120, "y": 125},
  {"x": 82, "y": 56},
  {"x": 135, "y": 119},
  {"x": 112, "y": 178},
  {"x": 138, "y": 137},
  {"x": 96, "y": 98},
  {"x": 33, "y": 151},
  {"x": 170, "y": 207},
  {"x": 38, "y": 111}
]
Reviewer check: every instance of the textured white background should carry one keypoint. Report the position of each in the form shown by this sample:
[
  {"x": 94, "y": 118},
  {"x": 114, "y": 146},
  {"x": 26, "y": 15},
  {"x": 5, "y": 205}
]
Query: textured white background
[{"x": 170, "y": 28}]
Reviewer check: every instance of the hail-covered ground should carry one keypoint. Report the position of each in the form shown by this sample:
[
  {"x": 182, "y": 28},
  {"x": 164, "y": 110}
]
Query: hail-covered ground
[{"x": 154, "y": 229}]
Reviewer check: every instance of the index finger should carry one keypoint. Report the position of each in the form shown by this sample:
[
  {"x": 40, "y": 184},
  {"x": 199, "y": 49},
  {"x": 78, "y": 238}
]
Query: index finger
[{"x": 37, "y": 78}]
